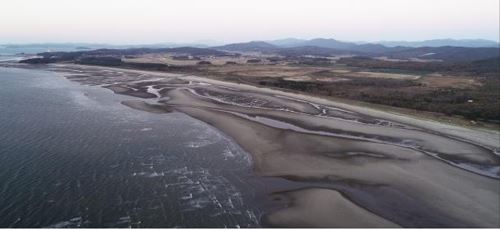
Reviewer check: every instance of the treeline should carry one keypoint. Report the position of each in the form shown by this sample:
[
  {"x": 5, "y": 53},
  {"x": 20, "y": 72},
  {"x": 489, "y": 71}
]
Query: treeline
[
  {"x": 449, "y": 102},
  {"x": 474, "y": 104},
  {"x": 100, "y": 61},
  {"x": 194, "y": 51},
  {"x": 105, "y": 55},
  {"x": 486, "y": 66},
  {"x": 354, "y": 84}
]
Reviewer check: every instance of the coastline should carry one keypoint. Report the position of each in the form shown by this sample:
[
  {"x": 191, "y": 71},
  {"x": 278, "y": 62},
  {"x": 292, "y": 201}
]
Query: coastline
[
  {"x": 341, "y": 149},
  {"x": 483, "y": 136}
]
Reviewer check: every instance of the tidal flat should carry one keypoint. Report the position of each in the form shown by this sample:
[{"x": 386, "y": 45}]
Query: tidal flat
[{"x": 350, "y": 166}]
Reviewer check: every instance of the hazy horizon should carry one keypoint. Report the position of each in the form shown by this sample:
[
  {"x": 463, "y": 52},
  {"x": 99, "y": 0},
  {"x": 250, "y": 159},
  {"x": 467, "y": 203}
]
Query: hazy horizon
[
  {"x": 216, "y": 43},
  {"x": 224, "y": 21}
]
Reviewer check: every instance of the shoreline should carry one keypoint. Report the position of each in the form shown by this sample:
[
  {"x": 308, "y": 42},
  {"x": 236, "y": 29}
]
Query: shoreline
[
  {"x": 484, "y": 136},
  {"x": 377, "y": 159}
]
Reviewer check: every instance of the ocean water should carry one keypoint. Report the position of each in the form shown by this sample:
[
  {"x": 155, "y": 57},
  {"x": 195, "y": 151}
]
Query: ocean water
[
  {"x": 73, "y": 156},
  {"x": 18, "y": 53},
  {"x": 6, "y": 50}
]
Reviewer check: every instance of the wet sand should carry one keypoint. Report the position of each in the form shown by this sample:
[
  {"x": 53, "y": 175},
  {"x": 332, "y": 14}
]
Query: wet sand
[
  {"x": 322, "y": 208},
  {"x": 363, "y": 167}
]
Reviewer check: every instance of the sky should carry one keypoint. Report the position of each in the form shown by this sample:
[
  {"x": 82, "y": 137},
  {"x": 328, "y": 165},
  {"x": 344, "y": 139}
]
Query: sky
[{"x": 185, "y": 21}]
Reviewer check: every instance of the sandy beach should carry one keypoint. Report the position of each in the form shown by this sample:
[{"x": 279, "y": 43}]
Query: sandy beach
[{"x": 363, "y": 167}]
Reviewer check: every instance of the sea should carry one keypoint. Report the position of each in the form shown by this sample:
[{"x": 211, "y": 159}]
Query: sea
[{"x": 73, "y": 156}]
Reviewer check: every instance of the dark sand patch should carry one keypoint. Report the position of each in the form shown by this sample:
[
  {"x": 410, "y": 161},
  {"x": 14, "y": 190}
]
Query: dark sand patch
[{"x": 323, "y": 208}]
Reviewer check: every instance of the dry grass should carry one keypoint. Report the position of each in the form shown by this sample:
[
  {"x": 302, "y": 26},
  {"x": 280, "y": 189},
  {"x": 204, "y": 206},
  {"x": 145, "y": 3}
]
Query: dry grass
[
  {"x": 437, "y": 81},
  {"x": 382, "y": 75}
]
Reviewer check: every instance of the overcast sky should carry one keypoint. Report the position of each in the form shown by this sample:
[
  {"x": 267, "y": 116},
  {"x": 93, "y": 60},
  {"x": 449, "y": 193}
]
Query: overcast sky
[{"x": 156, "y": 21}]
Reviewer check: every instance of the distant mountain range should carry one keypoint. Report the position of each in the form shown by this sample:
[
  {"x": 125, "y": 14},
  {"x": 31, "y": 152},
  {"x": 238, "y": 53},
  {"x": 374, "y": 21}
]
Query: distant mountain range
[
  {"x": 332, "y": 43},
  {"x": 248, "y": 46},
  {"x": 439, "y": 49},
  {"x": 442, "y": 42},
  {"x": 288, "y": 42},
  {"x": 328, "y": 47}
]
